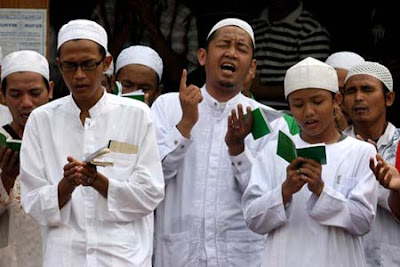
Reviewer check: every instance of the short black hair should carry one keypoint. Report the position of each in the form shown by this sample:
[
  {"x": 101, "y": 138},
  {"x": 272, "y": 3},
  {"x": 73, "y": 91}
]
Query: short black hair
[
  {"x": 4, "y": 84},
  {"x": 102, "y": 50}
]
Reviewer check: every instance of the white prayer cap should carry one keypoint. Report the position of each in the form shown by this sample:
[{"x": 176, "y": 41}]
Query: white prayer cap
[
  {"x": 25, "y": 60},
  {"x": 344, "y": 60},
  {"x": 110, "y": 71},
  {"x": 373, "y": 69},
  {"x": 310, "y": 73},
  {"x": 82, "y": 29},
  {"x": 233, "y": 22},
  {"x": 142, "y": 55}
]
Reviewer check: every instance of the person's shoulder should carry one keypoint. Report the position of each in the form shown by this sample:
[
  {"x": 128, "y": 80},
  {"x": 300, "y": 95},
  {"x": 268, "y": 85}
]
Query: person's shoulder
[
  {"x": 51, "y": 106},
  {"x": 126, "y": 103},
  {"x": 168, "y": 99},
  {"x": 351, "y": 142}
]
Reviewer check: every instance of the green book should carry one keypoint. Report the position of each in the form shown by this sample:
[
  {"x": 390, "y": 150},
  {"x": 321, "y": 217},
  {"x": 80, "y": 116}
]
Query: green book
[
  {"x": 288, "y": 151},
  {"x": 261, "y": 126},
  {"x": 138, "y": 95},
  {"x": 9, "y": 142}
]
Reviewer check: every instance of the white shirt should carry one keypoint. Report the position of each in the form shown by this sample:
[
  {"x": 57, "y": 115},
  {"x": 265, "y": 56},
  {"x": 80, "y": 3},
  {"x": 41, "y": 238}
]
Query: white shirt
[
  {"x": 310, "y": 230},
  {"x": 91, "y": 230},
  {"x": 200, "y": 222},
  {"x": 5, "y": 115},
  {"x": 382, "y": 243},
  {"x": 20, "y": 240}
]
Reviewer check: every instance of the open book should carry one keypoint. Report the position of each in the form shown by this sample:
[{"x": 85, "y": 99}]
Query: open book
[
  {"x": 261, "y": 125},
  {"x": 138, "y": 95},
  {"x": 94, "y": 158},
  {"x": 288, "y": 151},
  {"x": 9, "y": 142}
]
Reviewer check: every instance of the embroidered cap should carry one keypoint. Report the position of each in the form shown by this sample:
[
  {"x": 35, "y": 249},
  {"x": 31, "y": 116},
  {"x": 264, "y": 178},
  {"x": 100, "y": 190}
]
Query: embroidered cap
[
  {"x": 25, "y": 60},
  {"x": 310, "y": 73},
  {"x": 143, "y": 55},
  {"x": 373, "y": 69}
]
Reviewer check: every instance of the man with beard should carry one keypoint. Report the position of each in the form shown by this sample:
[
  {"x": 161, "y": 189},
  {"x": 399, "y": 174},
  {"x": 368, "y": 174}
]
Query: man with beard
[{"x": 206, "y": 155}]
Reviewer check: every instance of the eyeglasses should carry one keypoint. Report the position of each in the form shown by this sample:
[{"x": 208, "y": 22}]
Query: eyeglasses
[{"x": 88, "y": 65}]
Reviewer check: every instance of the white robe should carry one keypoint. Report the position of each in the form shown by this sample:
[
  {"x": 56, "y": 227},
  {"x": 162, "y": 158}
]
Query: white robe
[
  {"x": 200, "y": 222},
  {"x": 312, "y": 231},
  {"x": 91, "y": 230},
  {"x": 382, "y": 243},
  {"x": 20, "y": 240}
]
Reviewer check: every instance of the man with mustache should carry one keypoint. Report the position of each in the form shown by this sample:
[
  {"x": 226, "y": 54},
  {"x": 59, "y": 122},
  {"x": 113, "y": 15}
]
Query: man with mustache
[
  {"x": 26, "y": 86},
  {"x": 368, "y": 92}
]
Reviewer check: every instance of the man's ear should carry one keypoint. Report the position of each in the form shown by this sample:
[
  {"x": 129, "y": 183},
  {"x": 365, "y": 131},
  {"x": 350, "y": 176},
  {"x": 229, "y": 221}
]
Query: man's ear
[
  {"x": 107, "y": 63},
  {"x": 202, "y": 56},
  {"x": 338, "y": 99},
  {"x": 51, "y": 89},
  {"x": 390, "y": 96}
]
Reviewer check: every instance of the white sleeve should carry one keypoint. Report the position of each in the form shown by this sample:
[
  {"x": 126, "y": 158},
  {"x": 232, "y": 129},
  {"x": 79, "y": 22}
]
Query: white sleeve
[
  {"x": 354, "y": 206},
  {"x": 39, "y": 197},
  {"x": 171, "y": 143},
  {"x": 263, "y": 205}
]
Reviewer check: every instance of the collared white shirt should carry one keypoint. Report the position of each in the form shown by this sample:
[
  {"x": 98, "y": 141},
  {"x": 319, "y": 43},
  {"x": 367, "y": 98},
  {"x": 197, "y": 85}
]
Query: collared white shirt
[
  {"x": 91, "y": 230},
  {"x": 20, "y": 240},
  {"x": 382, "y": 243},
  {"x": 310, "y": 230},
  {"x": 200, "y": 222}
]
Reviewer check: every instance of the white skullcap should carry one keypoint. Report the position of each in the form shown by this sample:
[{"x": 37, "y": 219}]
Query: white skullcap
[
  {"x": 1, "y": 55},
  {"x": 25, "y": 60},
  {"x": 82, "y": 29},
  {"x": 373, "y": 69},
  {"x": 234, "y": 22},
  {"x": 110, "y": 71},
  {"x": 310, "y": 73},
  {"x": 142, "y": 55},
  {"x": 344, "y": 60}
]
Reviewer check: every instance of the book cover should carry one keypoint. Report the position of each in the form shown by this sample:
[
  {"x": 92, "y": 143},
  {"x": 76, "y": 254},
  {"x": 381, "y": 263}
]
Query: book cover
[
  {"x": 93, "y": 158},
  {"x": 261, "y": 125},
  {"x": 288, "y": 151},
  {"x": 138, "y": 95},
  {"x": 9, "y": 142}
]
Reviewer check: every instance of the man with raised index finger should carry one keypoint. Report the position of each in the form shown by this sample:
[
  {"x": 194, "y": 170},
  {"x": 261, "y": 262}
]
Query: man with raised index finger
[{"x": 206, "y": 154}]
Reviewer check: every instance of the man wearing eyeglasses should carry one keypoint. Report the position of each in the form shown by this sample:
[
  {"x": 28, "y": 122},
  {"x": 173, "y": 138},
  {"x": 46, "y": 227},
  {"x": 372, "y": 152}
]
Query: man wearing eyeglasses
[{"x": 91, "y": 216}]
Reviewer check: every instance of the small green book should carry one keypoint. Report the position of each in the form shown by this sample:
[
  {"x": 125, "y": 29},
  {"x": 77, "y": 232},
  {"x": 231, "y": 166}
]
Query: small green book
[
  {"x": 138, "y": 95},
  {"x": 261, "y": 126},
  {"x": 288, "y": 151},
  {"x": 9, "y": 142}
]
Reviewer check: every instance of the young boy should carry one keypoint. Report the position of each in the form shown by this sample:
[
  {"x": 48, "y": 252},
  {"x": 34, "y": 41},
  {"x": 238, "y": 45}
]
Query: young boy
[{"x": 314, "y": 214}]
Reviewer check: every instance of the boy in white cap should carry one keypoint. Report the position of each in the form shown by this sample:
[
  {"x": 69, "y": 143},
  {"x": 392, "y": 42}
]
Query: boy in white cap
[
  {"x": 5, "y": 115},
  {"x": 26, "y": 86},
  {"x": 368, "y": 93},
  {"x": 140, "y": 68},
  {"x": 342, "y": 61},
  {"x": 207, "y": 153},
  {"x": 314, "y": 214},
  {"x": 91, "y": 216}
]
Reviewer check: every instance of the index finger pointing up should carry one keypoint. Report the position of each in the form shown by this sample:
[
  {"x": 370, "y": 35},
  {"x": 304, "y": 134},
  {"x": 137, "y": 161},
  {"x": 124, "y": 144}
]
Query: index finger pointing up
[{"x": 183, "y": 85}]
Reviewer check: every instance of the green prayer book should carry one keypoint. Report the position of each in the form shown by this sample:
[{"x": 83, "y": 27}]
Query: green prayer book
[
  {"x": 9, "y": 142},
  {"x": 138, "y": 95},
  {"x": 261, "y": 125},
  {"x": 288, "y": 151}
]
